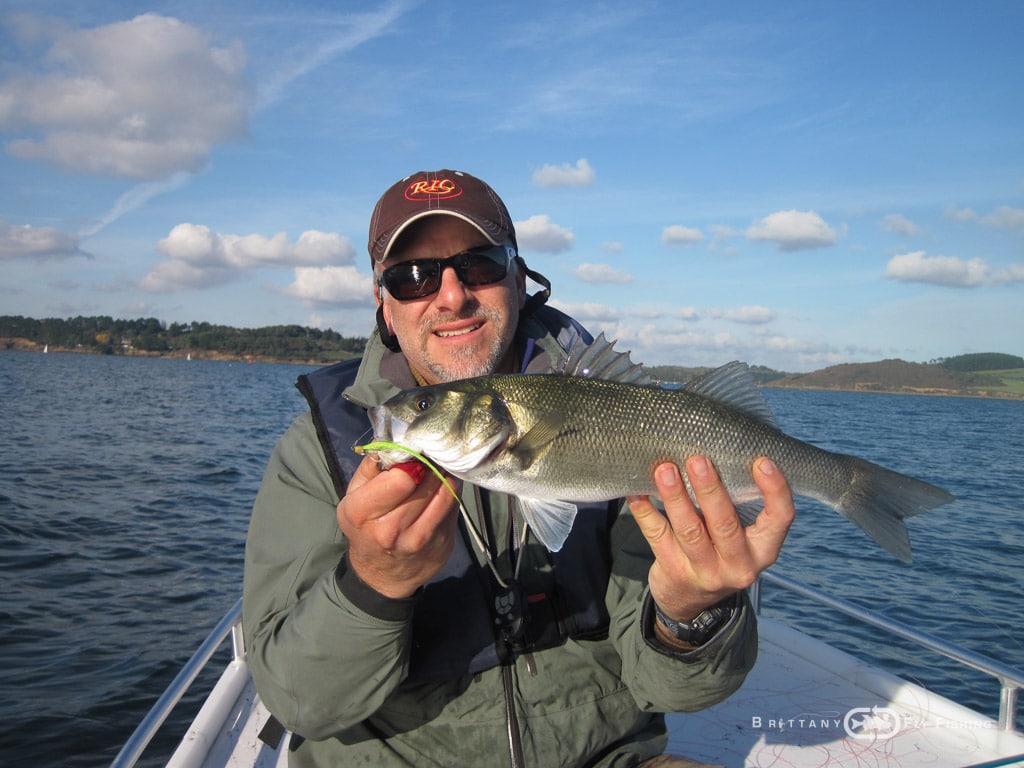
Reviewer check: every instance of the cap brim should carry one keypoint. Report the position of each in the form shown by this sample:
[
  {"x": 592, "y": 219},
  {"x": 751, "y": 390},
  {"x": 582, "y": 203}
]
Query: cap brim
[{"x": 397, "y": 233}]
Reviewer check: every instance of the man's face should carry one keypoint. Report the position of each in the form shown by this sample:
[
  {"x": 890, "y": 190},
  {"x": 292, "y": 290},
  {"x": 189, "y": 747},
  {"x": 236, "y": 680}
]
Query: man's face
[{"x": 460, "y": 331}]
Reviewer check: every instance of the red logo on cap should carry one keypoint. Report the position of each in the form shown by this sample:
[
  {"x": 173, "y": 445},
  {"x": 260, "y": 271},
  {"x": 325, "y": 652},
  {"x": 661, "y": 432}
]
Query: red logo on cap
[{"x": 438, "y": 189}]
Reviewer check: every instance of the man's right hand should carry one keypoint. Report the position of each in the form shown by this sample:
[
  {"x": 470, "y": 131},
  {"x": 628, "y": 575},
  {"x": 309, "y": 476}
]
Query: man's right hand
[{"x": 400, "y": 532}]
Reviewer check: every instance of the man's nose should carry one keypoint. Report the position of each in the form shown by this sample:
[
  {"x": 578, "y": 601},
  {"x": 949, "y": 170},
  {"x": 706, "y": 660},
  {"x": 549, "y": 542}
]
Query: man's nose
[{"x": 452, "y": 294}]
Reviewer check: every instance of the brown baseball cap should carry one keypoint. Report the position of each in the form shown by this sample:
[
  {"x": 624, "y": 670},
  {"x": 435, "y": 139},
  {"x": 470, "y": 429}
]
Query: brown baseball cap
[{"x": 427, "y": 193}]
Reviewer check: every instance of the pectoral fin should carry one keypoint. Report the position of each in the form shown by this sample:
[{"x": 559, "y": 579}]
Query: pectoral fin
[
  {"x": 537, "y": 440},
  {"x": 550, "y": 521}
]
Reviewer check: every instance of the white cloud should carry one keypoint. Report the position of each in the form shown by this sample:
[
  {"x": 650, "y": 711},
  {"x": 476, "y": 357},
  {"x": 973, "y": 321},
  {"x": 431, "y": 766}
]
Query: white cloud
[
  {"x": 601, "y": 273},
  {"x": 691, "y": 339},
  {"x": 198, "y": 243},
  {"x": 589, "y": 311},
  {"x": 752, "y": 315},
  {"x": 959, "y": 214},
  {"x": 680, "y": 235},
  {"x": 1012, "y": 274},
  {"x": 720, "y": 237},
  {"x": 899, "y": 224},
  {"x": 178, "y": 274},
  {"x": 143, "y": 99},
  {"x": 565, "y": 175},
  {"x": 1005, "y": 217},
  {"x": 344, "y": 286},
  {"x": 197, "y": 256},
  {"x": 650, "y": 312},
  {"x": 917, "y": 267},
  {"x": 613, "y": 246},
  {"x": 26, "y": 242},
  {"x": 793, "y": 230},
  {"x": 539, "y": 233}
]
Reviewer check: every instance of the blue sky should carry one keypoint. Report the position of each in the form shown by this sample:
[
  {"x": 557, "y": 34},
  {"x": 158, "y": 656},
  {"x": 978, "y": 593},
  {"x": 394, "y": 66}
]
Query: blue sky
[{"x": 791, "y": 184}]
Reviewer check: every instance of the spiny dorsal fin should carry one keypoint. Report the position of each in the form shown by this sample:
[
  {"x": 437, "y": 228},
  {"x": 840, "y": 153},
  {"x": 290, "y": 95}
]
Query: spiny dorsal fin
[
  {"x": 734, "y": 385},
  {"x": 599, "y": 360}
]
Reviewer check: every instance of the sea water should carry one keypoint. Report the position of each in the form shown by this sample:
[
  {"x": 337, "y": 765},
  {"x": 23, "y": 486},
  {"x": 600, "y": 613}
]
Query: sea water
[{"x": 126, "y": 485}]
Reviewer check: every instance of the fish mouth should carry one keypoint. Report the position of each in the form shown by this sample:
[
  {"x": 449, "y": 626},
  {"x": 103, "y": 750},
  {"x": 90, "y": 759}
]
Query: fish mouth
[{"x": 386, "y": 427}]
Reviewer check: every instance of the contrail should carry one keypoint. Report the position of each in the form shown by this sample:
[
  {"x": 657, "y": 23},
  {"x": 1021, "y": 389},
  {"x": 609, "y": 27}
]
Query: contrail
[{"x": 135, "y": 198}]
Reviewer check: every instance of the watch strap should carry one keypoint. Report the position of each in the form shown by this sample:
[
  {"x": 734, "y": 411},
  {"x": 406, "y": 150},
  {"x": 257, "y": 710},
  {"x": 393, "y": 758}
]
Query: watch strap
[{"x": 701, "y": 627}]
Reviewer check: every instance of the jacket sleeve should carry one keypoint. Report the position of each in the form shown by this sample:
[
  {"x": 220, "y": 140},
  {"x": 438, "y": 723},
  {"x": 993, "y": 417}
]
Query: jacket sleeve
[
  {"x": 324, "y": 653},
  {"x": 662, "y": 679}
]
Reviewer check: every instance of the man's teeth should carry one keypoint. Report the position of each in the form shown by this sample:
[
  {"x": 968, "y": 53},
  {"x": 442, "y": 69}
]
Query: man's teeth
[{"x": 462, "y": 332}]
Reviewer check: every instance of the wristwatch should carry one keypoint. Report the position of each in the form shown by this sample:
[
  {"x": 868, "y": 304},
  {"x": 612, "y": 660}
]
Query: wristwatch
[{"x": 701, "y": 627}]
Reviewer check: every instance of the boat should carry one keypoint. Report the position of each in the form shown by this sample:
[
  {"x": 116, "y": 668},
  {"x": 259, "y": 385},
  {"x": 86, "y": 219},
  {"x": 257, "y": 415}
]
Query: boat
[{"x": 805, "y": 703}]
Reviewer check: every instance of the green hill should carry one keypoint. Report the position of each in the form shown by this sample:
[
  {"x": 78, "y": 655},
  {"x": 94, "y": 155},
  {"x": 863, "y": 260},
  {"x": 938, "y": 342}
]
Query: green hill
[
  {"x": 952, "y": 376},
  {"x": 976, "y": 375}
]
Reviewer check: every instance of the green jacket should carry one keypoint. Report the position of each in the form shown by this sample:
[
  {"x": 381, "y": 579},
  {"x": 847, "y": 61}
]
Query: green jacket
[{"x": 333, "y": 667}]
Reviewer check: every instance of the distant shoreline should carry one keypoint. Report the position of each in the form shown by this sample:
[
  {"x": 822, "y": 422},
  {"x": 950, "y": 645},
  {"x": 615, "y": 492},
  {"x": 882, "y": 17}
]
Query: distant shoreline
[
  {"x": 912, "y": 391},
  {"x": 21, "y": 345},
  {"x": 787, "y": 381}
]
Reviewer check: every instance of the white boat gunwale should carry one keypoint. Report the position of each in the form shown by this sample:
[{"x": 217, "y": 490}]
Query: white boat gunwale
[
  {"x": 222, "y": 700},
  {"x": 1011, "y": 680}
]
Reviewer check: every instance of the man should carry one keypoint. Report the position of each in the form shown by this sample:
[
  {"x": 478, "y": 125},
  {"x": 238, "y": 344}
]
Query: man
[{"x": 380, "y": 635}]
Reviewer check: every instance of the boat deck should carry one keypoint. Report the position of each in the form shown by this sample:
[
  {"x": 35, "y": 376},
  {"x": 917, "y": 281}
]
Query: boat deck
[
  {"x": 804, "y": 704},
  {"x": 808, "y": 704}
]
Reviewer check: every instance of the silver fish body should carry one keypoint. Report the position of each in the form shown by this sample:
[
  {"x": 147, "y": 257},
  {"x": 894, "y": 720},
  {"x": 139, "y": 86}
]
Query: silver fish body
[{"x": 555, "y": 439}]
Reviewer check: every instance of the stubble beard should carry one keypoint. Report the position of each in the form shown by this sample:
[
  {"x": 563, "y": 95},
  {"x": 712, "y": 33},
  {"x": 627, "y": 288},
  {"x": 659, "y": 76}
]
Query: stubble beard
[{"x": 465, "y": 362}]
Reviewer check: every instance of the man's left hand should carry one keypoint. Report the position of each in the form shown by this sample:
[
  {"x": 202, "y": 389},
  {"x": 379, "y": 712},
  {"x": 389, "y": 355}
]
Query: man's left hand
[{"x": 704, "y": 556}]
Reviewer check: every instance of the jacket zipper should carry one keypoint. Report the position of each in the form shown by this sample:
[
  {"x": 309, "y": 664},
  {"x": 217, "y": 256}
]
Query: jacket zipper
[{"x": 515, "y": 744}]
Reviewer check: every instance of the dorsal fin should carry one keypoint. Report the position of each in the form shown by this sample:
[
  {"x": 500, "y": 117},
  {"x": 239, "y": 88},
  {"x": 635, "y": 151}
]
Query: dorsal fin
[
  {"x": 734, "y": 385},
  {"x": 599, "y": 360}
]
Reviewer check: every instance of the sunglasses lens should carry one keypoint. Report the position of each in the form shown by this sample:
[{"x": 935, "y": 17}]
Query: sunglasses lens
[
  {"x": 481, "y": 267},
  {"x": 412, "y": 279},
  {"x": 422, "y": 277}
]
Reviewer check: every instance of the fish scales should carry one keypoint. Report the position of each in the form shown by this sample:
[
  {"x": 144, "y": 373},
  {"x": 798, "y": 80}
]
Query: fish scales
[
  {"x": 627, "y": 430},
  {"x": 554, "y": 439}
]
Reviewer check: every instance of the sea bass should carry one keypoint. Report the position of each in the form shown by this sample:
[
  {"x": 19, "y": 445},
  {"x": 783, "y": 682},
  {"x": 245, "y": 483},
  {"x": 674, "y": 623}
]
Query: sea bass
[{"x": 597, "y": 430}]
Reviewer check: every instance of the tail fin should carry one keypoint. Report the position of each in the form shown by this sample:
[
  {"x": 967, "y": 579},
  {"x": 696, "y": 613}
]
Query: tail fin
[{"x": 879, "y": 499}]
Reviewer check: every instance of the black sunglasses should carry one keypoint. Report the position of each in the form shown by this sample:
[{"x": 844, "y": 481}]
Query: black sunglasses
[{"x": 417, "y": 278}]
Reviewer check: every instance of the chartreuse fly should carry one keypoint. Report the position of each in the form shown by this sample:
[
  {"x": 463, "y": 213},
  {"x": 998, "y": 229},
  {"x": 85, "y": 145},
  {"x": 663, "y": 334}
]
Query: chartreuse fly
[{"x": 384, "y": 445}]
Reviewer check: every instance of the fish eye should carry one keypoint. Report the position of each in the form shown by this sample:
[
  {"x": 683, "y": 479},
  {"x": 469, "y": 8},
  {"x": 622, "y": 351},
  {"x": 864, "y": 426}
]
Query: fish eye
[{"x": 424, "y": 403}]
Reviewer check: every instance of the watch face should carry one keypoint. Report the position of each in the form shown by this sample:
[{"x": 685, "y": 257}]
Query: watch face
[
  {"x": 703, "y": 626},
  {"x": 716, "y": 617}
]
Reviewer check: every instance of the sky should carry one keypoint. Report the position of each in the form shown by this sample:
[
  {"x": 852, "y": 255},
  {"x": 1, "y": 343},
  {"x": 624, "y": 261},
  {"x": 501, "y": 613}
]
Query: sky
[{"x": 791, "y": 184}]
